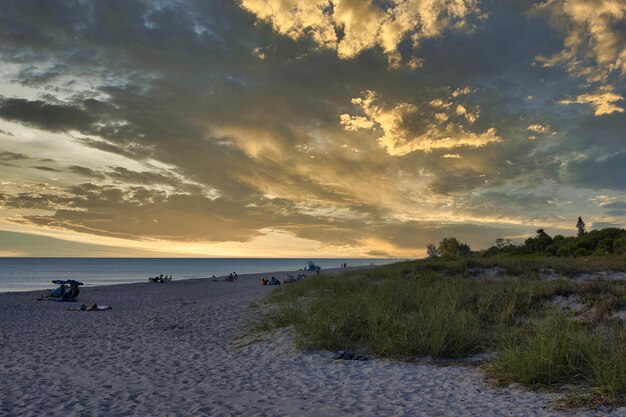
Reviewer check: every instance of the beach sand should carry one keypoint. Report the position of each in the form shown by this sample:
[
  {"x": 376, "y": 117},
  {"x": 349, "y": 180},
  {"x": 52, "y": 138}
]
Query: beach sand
[{"x": 176, "y": 349}]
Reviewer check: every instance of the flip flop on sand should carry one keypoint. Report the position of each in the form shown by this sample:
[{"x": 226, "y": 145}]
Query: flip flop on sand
[{"x": 91, "y": 307}]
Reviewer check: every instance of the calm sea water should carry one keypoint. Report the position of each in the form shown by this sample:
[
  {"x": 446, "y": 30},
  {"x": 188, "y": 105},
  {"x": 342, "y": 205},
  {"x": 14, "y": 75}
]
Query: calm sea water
[{"x": 24, "y": 274}]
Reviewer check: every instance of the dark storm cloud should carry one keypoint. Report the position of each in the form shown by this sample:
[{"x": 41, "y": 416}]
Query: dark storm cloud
[
  {"x": 85, "y": 172},
  {"x": 15, "y": 159},
  {"x": 617, "y": 208},
  {"x": 46, "y": 168},
  {"x": 46, "y": 116},
  {"x": 125, "y": 175},
  {"x": 13, "y": 156},
  {"x": 32, "y": 77},
  {"x": 608, "y": 172},
  {"x": 37, "y": 201}
]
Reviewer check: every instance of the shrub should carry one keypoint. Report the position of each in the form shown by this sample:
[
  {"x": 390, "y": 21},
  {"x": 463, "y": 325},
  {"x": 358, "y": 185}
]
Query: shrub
[{"x": 450, "y": 247}]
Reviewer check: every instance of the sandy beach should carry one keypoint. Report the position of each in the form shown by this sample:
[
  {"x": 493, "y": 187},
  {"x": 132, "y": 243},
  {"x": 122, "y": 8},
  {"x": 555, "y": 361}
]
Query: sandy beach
[{"x": 175, "y": 349}]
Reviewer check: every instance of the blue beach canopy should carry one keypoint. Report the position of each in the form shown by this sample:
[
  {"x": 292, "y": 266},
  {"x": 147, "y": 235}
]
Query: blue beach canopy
[
  {"x": 311, "y": 266},
  {"x": 69, "y": 282}
]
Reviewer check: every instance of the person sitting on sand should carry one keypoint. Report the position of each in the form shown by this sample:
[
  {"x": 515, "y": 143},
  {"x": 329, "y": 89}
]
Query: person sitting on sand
[
  {"x": 57, "y": 292},
  {"x": 71, "y": 293},
  {"x": 274, "y": 281},
  {"x": 265, "y": 281},
  {"x": 62, "y": 293}
]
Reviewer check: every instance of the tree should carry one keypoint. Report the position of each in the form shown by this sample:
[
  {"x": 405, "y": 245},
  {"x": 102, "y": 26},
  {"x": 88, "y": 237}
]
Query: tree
[
  {"x": 580, "y": 225},
  {"x": 503, "y": 243},
  {"x": 450, "y": 247},
  {"x": 431, "y": 251},
  {"x": 539, "y": 243}
]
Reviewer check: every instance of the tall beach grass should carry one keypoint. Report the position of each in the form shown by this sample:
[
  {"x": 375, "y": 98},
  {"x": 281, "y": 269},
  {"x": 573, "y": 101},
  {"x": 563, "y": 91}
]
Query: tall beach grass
[{"x": 441, "y": 309}]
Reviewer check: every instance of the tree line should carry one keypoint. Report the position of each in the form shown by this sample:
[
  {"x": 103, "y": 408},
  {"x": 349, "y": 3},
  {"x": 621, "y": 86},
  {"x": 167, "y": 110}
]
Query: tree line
[{"x": 608, "y": 241}]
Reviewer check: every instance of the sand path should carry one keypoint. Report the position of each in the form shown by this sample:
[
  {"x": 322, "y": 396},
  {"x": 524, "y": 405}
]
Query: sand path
[{"x": 173, "y": 350}]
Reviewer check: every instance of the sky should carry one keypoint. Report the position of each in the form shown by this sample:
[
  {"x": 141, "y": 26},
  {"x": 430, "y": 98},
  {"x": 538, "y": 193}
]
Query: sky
[{"x": 306, "y": 128}]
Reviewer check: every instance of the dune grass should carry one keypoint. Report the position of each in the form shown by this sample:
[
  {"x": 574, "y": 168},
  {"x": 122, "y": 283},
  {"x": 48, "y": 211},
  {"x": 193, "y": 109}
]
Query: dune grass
[{"x": 439, "y": 309}]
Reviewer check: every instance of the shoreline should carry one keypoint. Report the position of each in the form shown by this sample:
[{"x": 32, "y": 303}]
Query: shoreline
[
  {"x": 221, "y": 278},
  {"x": 20, "y": 275}
]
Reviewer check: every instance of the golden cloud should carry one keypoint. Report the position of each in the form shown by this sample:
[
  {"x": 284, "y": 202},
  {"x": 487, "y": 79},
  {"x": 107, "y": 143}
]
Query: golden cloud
[
  {"x": 362, "y": 24},
  {"x": 592, "y": 33},
  {"x": 408, "y": 128},
  {"x": 602, "y": 100},
  {"x": 539, "y": 128}
]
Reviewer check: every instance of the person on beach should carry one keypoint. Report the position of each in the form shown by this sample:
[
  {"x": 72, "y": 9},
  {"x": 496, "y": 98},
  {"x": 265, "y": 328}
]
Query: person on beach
[
  {"x": 71, "y": 293},
  {"x": 53, "y": 294},
  {"x": 274, "y": 281},
  {"x": 64, "y": 292},
  {"x": 265, "y": 281}
]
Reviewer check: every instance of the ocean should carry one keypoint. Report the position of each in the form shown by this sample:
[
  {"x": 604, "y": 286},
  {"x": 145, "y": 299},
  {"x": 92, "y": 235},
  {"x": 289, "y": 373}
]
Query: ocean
[{"x": 25, "y": 274}]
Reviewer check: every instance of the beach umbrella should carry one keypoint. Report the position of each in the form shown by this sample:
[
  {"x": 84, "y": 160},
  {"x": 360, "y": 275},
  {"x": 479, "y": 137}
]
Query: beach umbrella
[{"x": 69, "y": 282}]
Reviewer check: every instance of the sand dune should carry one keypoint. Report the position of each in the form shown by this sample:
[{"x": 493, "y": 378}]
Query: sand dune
[{"x": 175, "y": 350}]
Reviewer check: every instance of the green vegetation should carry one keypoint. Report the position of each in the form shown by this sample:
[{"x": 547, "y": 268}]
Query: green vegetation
[
  {"x": 446, "y": 307},
  {"x": 604, "y": 242}
]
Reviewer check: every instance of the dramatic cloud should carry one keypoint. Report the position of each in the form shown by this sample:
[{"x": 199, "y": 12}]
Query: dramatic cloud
[
  {"x": 350, "y": 26},
  {"x": 594, "y": 42},
  {"x": 275, "y": 128},
  {"x": 602, "y": 100},
  {"x": 439, "y": 124}
]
